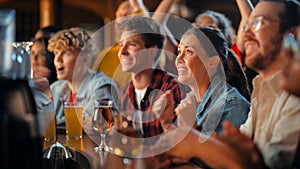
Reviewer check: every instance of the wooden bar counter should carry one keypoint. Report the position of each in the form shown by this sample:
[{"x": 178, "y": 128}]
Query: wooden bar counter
[
  {"x": 101, "y": 160},
  {"x": 107, "y": 160}
]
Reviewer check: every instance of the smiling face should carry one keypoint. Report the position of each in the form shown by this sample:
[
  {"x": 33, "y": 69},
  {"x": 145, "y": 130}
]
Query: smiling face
[
  {"x": 290, "y": 74},
  {"x": 64, "y": 61},
  {"x": 191, "y": 61},
  {"x": 262, "y": 46},
  {"x": 133, "y": 54}
]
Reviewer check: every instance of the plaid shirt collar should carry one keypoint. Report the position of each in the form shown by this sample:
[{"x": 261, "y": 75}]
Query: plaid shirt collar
[{"x": 154, "y": 84}]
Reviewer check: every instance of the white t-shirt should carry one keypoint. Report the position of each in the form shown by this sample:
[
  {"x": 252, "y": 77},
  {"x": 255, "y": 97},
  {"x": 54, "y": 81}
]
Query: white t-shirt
[{"x": 140, "y": 93}]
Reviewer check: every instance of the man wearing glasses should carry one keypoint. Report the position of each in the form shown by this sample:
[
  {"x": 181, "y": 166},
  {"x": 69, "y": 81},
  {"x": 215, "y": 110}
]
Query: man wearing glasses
[
  {"x": 273, "y": 123},
  {"x": 270, "y": 136}
]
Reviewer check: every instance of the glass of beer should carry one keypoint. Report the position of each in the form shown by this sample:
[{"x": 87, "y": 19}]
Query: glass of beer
[
  {"x": 50, "y": 133},
  {"x": 102, "y": 121},
  {"x": 74, "y": 118}
]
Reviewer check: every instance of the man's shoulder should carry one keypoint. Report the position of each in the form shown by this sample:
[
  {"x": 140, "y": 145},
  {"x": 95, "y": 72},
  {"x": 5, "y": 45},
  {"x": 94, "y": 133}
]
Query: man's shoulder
[
  {"x": 290, "y": 99},
  {"x": 59, "y": 88},
  {"x": 164, "y": 74},
  {"x": 101, "y": 79},
  {"x": 59, "y": 84}
]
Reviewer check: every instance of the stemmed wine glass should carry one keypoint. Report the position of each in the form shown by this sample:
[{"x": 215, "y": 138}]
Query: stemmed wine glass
[{"x": 102, "y": 121}]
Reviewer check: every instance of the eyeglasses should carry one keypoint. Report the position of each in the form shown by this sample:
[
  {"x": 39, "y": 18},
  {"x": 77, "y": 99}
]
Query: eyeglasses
[
  {"x": 291, "y": 44},
  {"x": 256, "y": 23}
]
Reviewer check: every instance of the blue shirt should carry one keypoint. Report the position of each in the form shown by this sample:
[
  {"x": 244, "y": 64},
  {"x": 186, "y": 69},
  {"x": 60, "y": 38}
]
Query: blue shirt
[{"x": 221, "y": 102}]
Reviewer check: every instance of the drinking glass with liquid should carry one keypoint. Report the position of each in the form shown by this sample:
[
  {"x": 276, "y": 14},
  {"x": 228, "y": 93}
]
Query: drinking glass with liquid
[
  {"x": 102, "y": 121},
  {"x": 74, "y": 112}
]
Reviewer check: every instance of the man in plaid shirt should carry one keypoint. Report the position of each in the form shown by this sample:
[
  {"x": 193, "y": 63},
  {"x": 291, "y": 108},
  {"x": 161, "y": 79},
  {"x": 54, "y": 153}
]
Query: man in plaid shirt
[{"x": 140, "y": 47}]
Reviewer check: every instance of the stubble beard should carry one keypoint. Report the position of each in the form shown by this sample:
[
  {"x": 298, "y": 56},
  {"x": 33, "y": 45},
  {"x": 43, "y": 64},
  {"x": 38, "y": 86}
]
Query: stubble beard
[{"x": 262, "y": 61}]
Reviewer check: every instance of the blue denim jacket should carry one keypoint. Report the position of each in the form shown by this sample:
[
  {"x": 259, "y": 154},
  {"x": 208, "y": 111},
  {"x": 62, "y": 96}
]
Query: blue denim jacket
[{"x": 221, "y": 102}]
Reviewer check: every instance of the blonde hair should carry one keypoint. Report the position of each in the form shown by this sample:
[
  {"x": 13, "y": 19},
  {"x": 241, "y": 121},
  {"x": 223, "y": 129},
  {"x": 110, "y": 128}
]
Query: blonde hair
[{"x": 73, "y": 38}]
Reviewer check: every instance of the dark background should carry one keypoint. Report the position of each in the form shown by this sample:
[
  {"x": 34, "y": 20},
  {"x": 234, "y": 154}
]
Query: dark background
[{"x": 92, "y": 14}]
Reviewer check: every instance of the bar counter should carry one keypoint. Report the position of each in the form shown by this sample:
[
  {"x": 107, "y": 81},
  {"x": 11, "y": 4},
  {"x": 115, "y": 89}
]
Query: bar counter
[
  {"x": 101, "y": 160},
  {"x": 107, "y": 160}
]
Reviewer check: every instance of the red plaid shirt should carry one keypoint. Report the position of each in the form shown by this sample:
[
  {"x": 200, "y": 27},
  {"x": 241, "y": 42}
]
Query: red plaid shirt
[{"x": 160, "y": 83}]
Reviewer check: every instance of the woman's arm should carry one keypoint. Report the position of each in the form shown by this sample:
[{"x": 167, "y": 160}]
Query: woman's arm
[
  {"x": 186, "y": 144},
  {"x": 245, "y": 7},
  {"x": 138, "y": 6},
  {"x": 161, "y": 16},
  {"x": 162, "y": 9}
]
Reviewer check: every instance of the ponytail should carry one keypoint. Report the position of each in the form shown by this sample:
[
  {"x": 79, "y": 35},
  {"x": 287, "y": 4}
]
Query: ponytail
[{"x": 235, "y": 75}]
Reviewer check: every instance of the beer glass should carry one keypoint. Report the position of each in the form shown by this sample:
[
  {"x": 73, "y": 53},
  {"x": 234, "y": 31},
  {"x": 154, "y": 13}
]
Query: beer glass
[
  {"x": 74, "y": 112},
  {"x": 102, "y": 121},
  {"x": 50, "y": 133}
]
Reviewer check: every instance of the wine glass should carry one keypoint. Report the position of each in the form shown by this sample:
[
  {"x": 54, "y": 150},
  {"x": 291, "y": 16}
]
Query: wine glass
[
  {"x": 126, "y": 140},
  {"x": 102, "y": 121}
]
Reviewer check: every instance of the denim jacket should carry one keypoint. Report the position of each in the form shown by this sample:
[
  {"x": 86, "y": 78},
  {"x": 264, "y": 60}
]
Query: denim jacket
[
  {"x": 94, "y": 86},
  {"x": 221, "y": 102}
]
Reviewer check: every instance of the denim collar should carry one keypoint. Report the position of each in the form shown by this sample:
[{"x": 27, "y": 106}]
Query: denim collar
[{"x": 216, "y": 88}]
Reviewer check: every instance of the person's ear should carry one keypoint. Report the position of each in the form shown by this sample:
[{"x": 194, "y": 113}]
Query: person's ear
[
  {"x": 153, "y": 50},
  {"x": 214, "y": 61}
]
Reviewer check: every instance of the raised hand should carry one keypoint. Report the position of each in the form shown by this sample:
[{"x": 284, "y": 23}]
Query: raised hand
[
  {"x": 137, "y": 5},
  {"x": 40, "y": 71},
  {"x": 164, "y": 109},
  {"x": 42, "y": 84},
  {"x": 186, "y": 111}
]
